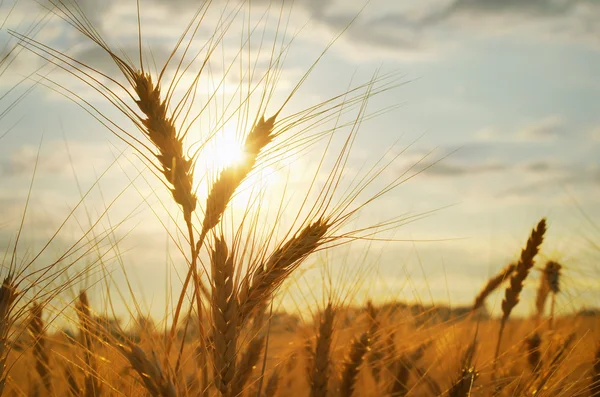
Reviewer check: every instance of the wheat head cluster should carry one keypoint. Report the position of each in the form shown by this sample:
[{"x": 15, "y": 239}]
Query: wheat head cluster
[{"x": 224, "y": 335}]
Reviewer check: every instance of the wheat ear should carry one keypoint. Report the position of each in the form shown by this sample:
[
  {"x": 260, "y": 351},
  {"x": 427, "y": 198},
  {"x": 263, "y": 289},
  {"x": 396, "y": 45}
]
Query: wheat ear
[
  {"x": 74, "y": 390},
  {"x": 552, "y": 273},
  {"x": 246, "y": 365},
  {"x": 399, "y": 385},
  {"x": 376, "y": 354},
  {"x": 266, "y": 279},
  {"x": 534, "y": 355},
  {"x": 492, "y": 284},
  {"x": 150, "y": 371},
  {"x": 402, "y": 368},
  {"x": 468, "y": 375},
  {"x": 40, "y": 350},
  {"x": 92, "y": 386},
  {"x": 224, "y": 316},
  {"x": 161, "y": 131},
  {"x": 319, "y": 377},
  {"x": 358, "y": 349},
  {"x": 513, "y": 291},
  {"x": 231, "y": 177},
  {"x": 8, "y": 295},
  {"x": 272, "y": 384}
]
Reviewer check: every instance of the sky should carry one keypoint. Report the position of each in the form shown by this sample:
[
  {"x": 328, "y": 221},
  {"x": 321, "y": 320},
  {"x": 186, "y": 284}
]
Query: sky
[{"x": 495, "y": 106}]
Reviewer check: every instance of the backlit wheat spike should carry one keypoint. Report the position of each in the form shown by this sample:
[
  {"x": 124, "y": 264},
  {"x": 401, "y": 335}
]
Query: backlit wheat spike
[
  {"x": 399, "y": 387},
  {"x": 513, "y": 291},
  {"x": 492, "y": 284},
  {"x": 319, "y": 378},
  {"x": 231, "y": 177},
  {"x": 266, "y": 279},
  {"x": 463, "y": 386},
  {"x": 246, "y": 364},
  {"x": 160, "y": 129},
  {"x": 40, "y": 349},
  {"x": 272, "y": 384},
  {"x": 224, "y": 317},
  {"x": 151, "y": 373},
  {"x": 534, "y": 354},
  {"x": 74, "y": 389},
  {"x": 8, "y": 295},
  {"x": 92, "y": 385},
  {"x": 376, "y": 354},
  {"x": 351, "y": 366}
]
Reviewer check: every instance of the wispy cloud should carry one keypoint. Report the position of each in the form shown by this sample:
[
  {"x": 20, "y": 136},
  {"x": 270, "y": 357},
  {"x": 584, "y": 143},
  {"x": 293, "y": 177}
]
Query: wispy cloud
[{"x": 547, "y": 129}]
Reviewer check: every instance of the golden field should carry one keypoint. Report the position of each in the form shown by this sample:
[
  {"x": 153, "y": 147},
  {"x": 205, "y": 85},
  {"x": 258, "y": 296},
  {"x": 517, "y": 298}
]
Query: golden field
[{"x": 243, "y": 235}]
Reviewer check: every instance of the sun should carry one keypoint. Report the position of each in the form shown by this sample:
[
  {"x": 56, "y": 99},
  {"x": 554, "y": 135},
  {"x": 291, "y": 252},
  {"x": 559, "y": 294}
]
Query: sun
[{"x": 224, "y": 151}]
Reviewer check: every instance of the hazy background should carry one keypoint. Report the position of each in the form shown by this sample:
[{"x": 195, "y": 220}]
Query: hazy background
[{"x": 509, "y": 89}]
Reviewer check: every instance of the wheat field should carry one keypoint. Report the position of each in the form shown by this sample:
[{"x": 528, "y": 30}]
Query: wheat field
[{"x": 242, "y": 230}]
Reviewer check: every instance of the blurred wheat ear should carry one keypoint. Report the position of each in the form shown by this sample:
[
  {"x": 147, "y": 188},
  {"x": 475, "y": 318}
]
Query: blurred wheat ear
[
  {"x": 8, "y": 296},
  {"x": 40, "y": 348},
  {"x": 513, "y": 291}
]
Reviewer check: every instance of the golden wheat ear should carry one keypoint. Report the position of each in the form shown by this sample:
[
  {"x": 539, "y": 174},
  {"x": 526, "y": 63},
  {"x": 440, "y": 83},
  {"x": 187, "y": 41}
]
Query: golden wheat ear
[
  {"x": 224, "y": 311},
  {"x": 153, "y": 377},
  {"x": 320, "y": 372},
  {"x": 258, "y": 288},
  {"x": 40, "y": 348},
  {"x": 352, "y": 364},
  {"x": 513, "y": 291},
  {"x": 534, "y": 354},
  {"x": 493, "y": 284},
  {"x": 8, "y": 297},
  {"x": 87, "y": 334},
  {"x": 467, "y": 376}
]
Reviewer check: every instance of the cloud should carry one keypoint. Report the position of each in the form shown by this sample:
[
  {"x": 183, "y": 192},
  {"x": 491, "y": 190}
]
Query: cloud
[
  {"x": 53, "y": 160},
  {"x": 448, "y": 169},
  {"x": 546, "y": 129}
]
